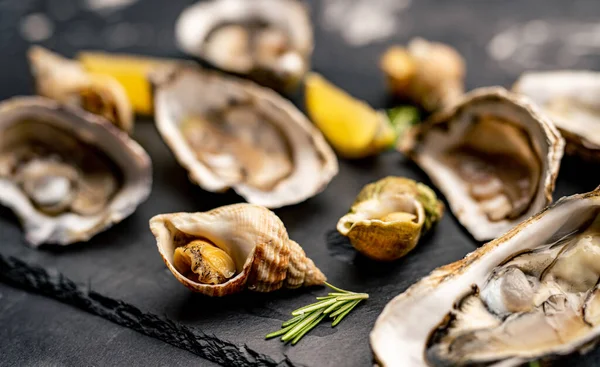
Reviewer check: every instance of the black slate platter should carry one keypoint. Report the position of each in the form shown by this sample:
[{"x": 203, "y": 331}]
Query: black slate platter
[
  {"x": 54, "y": 334},
  {"x": 119, "y": 274}
]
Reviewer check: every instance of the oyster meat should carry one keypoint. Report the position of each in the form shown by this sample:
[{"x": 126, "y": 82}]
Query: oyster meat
[
  {"x": 66, "y": 81},
  {"x": 232, "y": 248},
  {"x": 270, "y": 41},
  {"x": 66, "y": 174},
  {"x": 232, "y": 133},
  {"x": 389, "y": 216},
  {"x": 571, "y": 99},
  {"x": 429, "y": 74},
  {"x": 494, "y": 156},
  {"x": 531, "y": 294}
]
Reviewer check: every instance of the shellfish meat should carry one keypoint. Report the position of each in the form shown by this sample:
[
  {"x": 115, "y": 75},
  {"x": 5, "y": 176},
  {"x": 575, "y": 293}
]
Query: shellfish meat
[
  {"x": 270, "y": 41},
  {"x": 230, "y": 133},
  {"x": 571, "y": 100},
  {"x": 389, "y": 216},
  {"x": 232, "y": 248},
  {"x": 531, "y": 294},
  {"x": 494, "y": 156},
  {"x": 67, "y": 174},
  {"x": 68, "y": 82}
]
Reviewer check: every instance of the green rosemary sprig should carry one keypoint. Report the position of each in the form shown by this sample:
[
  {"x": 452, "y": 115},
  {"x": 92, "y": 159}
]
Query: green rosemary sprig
[{"x": 336, "y": 305}]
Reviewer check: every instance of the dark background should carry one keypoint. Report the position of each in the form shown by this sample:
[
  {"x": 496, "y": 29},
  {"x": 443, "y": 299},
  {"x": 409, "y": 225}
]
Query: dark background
[{"x": 119, "y": 276}]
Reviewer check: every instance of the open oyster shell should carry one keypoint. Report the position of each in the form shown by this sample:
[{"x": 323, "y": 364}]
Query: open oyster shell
[
  {"x": 252, "y": 236},
  {"x": 68, "y": 82},
  {"x": 230, "y": 133},
  {"x": 530, "y": 294},
  {"x": 494, "y": 156},
  {"x": 388, "y": 217},
  {"x": 270, "y": 41},
  {"x": 65, "y": 173},
  {"x": 572, "y": 100}
]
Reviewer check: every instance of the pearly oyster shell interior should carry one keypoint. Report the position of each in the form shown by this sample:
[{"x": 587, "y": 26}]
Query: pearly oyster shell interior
[
  {"x": 388, "y": 217},
  {"x": 530, "y": 294},
  {"x": 230, "y": 133},
  {"x": 270, "y": 41},
  {"x": 66, "y": 81},
  {"x": 572, "y": 100},
  {"x": 494, "y": 156},
  {"x": 65, "y": 173},
  {"x": 252, "y": 236}
]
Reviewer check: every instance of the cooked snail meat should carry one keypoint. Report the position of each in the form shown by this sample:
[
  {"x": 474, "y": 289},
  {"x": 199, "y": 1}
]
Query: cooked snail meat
[{"x": 203, "y": 262}]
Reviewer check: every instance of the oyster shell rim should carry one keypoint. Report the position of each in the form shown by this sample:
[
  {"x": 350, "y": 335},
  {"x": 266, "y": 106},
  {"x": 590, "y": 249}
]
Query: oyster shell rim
[
  {"x": 12, "y": 198},
  {"x": 194, "y": 45},
  {"x": 164, "y": 79},
  {"x": 448, "y": 272},
  {"x": 408, "y": 145},
  {"x": 44, "y": 65},
  {"x": 576, "y": 144}
]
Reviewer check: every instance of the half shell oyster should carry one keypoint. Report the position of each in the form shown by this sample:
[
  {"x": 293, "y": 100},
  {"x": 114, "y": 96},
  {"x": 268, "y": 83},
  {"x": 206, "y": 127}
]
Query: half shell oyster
[
  {"x": 530, "y": 294},
  {"x": 270, "y": 41},
  {"x": 67, "y": 174},
  {"x": 230, "y": 133},
  {"x": 66, "y": 81},
  {"x": 494, "y": 156},
  {"x": 245, "y": 247},
  {"x": 388, "y": 217},
  {"x": 572, "y": 100}
]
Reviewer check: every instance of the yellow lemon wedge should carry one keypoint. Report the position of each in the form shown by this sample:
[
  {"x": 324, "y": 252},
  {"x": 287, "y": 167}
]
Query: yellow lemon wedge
[
  {"x": 352, "y": 127},
  {"x": 129, "y": 70}
]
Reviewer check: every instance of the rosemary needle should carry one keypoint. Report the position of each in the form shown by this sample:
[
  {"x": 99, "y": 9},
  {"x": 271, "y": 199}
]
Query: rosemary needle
[
  {"x": 343, "y": 314},
  {"x": 307, "y": 329},
  {"x": 342, "y": 309},
  {"x": 297, "y": 328},
  {"x": 293, "y": 320},
  {"x": 314, "y": 306},
  {"x": 279, "y": 332},
  {"x": 336, "y": 305}
]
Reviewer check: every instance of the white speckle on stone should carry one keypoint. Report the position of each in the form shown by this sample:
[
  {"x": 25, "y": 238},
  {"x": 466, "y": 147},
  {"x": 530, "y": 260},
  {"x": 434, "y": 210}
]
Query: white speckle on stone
[
  {"x": 546, "y": 45},
  {"x": 535, "y": 32},
  {"x": 108, "y": 5},
  {"x": 361, "y": 22},
  {"x": 36, "y": 27},
  {"x": 503, "y": 45}
]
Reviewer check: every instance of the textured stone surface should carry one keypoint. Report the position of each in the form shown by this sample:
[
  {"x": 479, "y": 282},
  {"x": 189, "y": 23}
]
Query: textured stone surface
[
  {"x": 119, "y": 275},
  {"x": 38, "y": 331}
]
